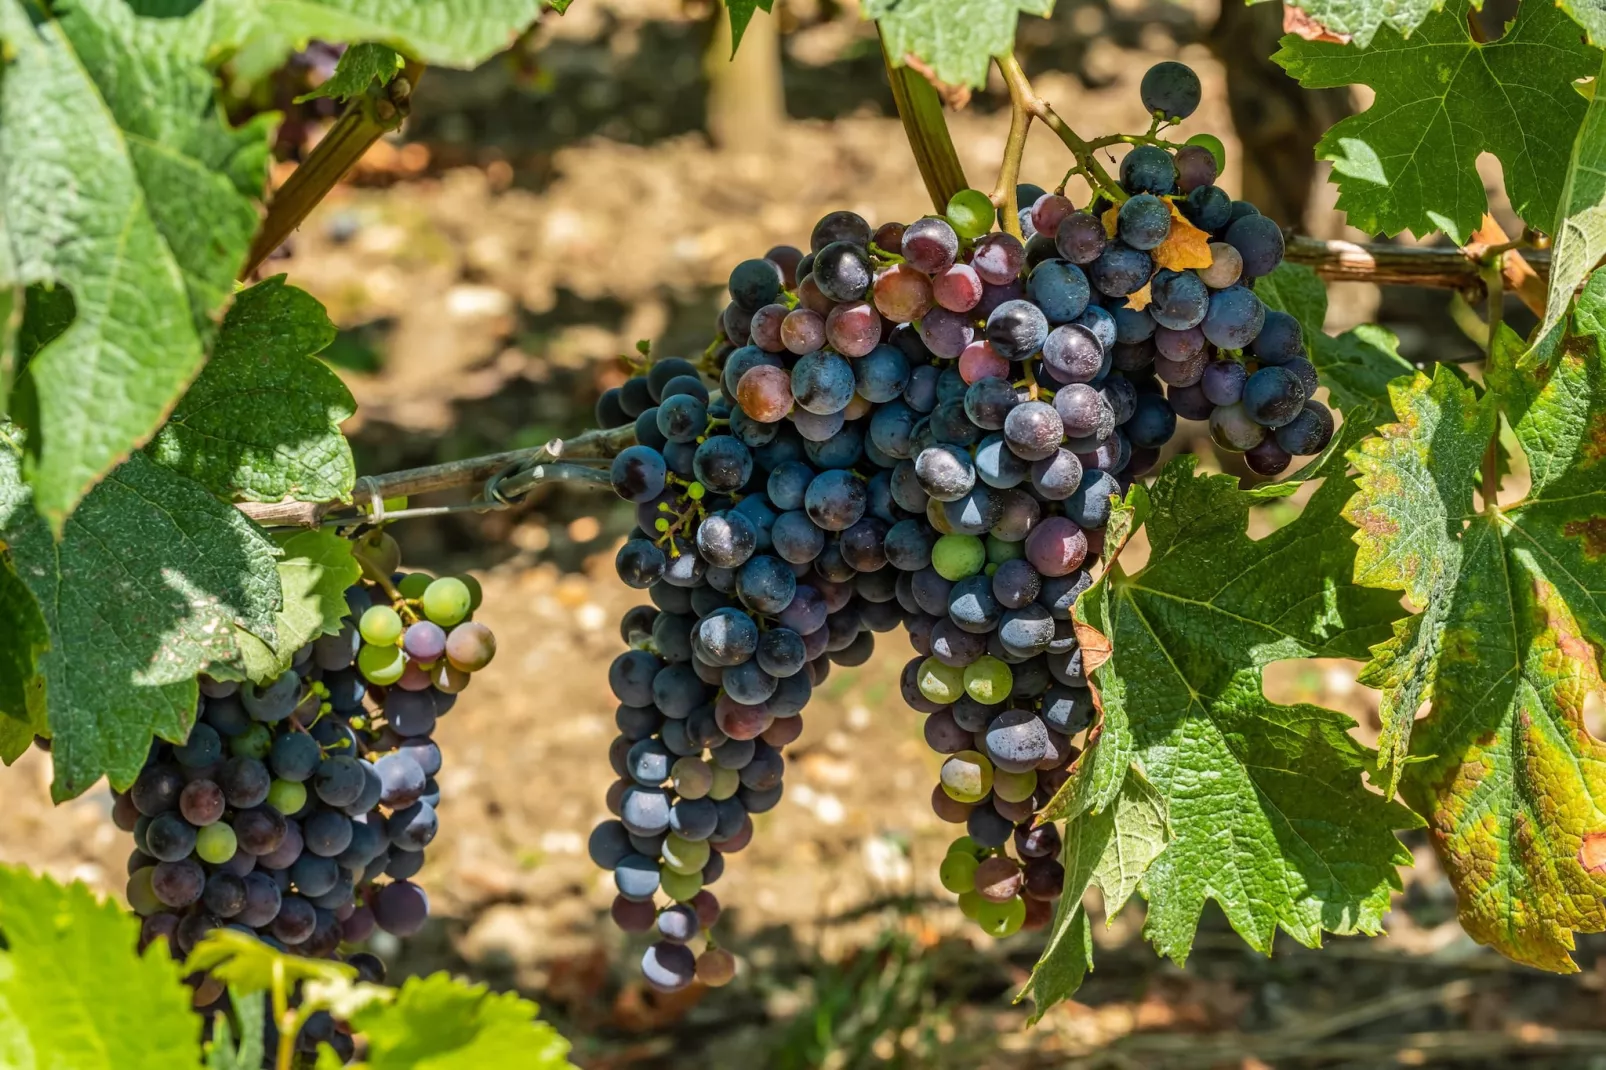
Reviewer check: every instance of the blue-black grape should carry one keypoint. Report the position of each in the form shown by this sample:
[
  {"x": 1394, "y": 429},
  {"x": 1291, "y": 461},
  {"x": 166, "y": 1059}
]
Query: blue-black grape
[
  {"x": 1273, "y": 396},
  {"x": 1144, "y": 221},
  {"x": 1017, "y": 329},
  {"x": 1207, "y": 207},
  {"x": 1148, "y": 169},
  {"x": 1120, "y": 270},
  {"x": 1178, "y": 299},
  {"x": 1170, "y": 88},
  {"x": 1309, "y": 431},
  {"x": 1059, "y": 289},
  {"x": 1259, "y": 241},
  {"x": 1235, "y": 317}
]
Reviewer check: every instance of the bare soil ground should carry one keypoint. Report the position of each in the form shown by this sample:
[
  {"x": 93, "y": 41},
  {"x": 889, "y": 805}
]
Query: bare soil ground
[{"x": 486, "y": 293}]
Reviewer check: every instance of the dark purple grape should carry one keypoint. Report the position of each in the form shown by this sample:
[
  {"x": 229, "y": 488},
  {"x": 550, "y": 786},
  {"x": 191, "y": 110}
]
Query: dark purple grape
[{"x": 1080, "y": 238}]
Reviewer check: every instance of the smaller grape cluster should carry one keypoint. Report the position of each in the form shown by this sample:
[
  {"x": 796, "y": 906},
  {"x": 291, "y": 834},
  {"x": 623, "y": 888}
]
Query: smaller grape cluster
[{"x": 292, "y": 801}]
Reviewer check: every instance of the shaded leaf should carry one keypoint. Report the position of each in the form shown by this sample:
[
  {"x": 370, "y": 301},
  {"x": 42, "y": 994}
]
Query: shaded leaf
[
  {"x": 74, "y": 992},
  {"x": 150, "y": 579},
  {"x": 121, "y": 111},
  {"x": 247, "y": 965},
  {"x": 1408, "y": 161},
  {"x": 222, "y": 1051},
  {"x": 741, "y": 13},
  {"x": 262, "y": 423}
]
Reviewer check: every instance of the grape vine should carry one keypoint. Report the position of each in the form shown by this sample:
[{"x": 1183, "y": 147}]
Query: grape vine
[{"x": 955, "y": 424}]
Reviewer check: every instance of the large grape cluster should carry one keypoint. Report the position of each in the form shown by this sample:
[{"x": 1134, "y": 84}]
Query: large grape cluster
[
  {"x": 298, "y": 810},
  {"x": 920, "y": 424}
]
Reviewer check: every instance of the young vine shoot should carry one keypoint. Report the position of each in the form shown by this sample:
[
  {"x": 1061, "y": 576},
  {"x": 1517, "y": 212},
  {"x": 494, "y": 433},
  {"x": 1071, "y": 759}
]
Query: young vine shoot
[{"x": 920, "y": 425}]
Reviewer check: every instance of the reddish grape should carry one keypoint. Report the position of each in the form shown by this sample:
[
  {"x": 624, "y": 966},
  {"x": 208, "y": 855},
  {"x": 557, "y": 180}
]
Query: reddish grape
[
  {"x": 902, "y": 294},
  {"x": 958, "y": 289},
  {"x": 802, "y": 331},
  {"x": 765, "y": 393},
  {"x": 766, "y": 329},
  {"x": 853, "y": 328},
  {"x": 981, "y": 361}
]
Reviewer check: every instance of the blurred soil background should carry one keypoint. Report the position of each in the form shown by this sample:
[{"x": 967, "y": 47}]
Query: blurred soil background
[{"x": 594, "y": 187}]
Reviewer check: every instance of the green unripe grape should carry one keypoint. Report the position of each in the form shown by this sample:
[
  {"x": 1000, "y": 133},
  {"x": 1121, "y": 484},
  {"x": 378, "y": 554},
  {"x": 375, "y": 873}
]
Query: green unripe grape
[
  {"x": 141, "y": 896},
  {"x": 964, "y": 845},
  {"x": 383, "y": 551},
  {"x": 970, "y": 904},
  {"x": 726, "y": 783},
  {"x": 380, "y": 626},
  {"x": 695, "y": 491},
  {"x": 413, "y": 585},
  {"x": 971, "y": 213},
  {"x": 216, "y": 843},
  {"x": 382, "y": 665},
  {"x": 683, "y": 886},
  {"x": 254, "y": 742},
  {"x": 999, "y": 551},
  {"x": 476, "y": 593},
  {"x": 287, "y": 796},
  {"x": 692, "y": 777},
  {"x": 957, "y": 556},
  {"x": 1001, "y": 919},
  {"x": 958, "y": 873},
  {"x": 967, "y": 777},
  {"x": 988, "y": 680},
  {"x": 446, "y": 601},
  {"x": 685, "y": 856},
  {"x": 939, "y": 682},
  {"x": 1014, "y": 787},
  {"x": 1213, "y": 143}
]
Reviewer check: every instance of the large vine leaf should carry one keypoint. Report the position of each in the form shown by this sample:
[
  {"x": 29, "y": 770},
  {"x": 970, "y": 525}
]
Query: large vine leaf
[
  {"x": 1268, "y": 812},
  {"x": 146, "y": 587},
  {"x": 445, "y": 33},
  {"x": 1407, "y": 162},
  {"x": 75, "y": 993},
  {"x": 262, "y": 422},
  {"x": 1509, "y": 779},
  {"x": 955, "y": 38},
  {"x": 120, "y": 180},
  {"x": 1110, "y": 849},
  {"x": 438, "y": 1023},
  {"x": 1356, "y": 366},
  {"x": 1580, "y": 229},
  {"x": 316, "y": 569}
]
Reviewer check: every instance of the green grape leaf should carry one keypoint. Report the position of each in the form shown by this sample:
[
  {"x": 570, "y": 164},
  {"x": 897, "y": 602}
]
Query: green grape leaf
[
  {"x": 1356, "y": 366},
  {"x": 28, "y": 639},
  {"x": 1407, "y": 162},
  {"x": 1591, "y": 15},
  {"x": 1506, "y": 648},
  {"x": 262, "y": 423},
  {"x": 443, "y": 33},
  {"x": 223, "y": 1052},
  {"x": 146, "y": 587},
  {"x": 1580, "y": 229},
  {"x": 1416, "y": 481},
  {"x": 1268, "y": 812},
  {"x": 314, "y": 572},
  {"x": 741, "y": 13},
  {"x": 439, "y": 1023},
  {"x": 955, "y": 38},
  {"x": 122, "y": 111},
  {"x": 247, "y": 965},
  {"x": 1361, "y": 20},
  {"x": 360, "y": 66},
  {"x": 74, "y": 991},
  {"x": 1110, "y": 850}
]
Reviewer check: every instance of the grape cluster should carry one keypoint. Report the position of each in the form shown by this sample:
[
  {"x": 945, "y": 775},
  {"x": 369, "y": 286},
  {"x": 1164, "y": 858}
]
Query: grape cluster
[
  {"x": 291, "y": 801},
  {"x": 919, "y": 424}
]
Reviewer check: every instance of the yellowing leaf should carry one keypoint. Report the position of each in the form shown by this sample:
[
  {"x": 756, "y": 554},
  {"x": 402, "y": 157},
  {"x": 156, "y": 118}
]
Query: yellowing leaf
[
  {"x": 1185, "y": 247},
  {"x": 1109, "y": 218},
  {"x": 1139, "y": 299}
]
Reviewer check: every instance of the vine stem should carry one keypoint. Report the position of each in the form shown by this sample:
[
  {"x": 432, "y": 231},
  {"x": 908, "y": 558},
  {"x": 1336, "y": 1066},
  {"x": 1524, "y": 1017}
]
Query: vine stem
[
  {"x": 1022, "y": 94},
  {"x": 920, "y": 110},
  {"x": 366, "y": 119}
]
